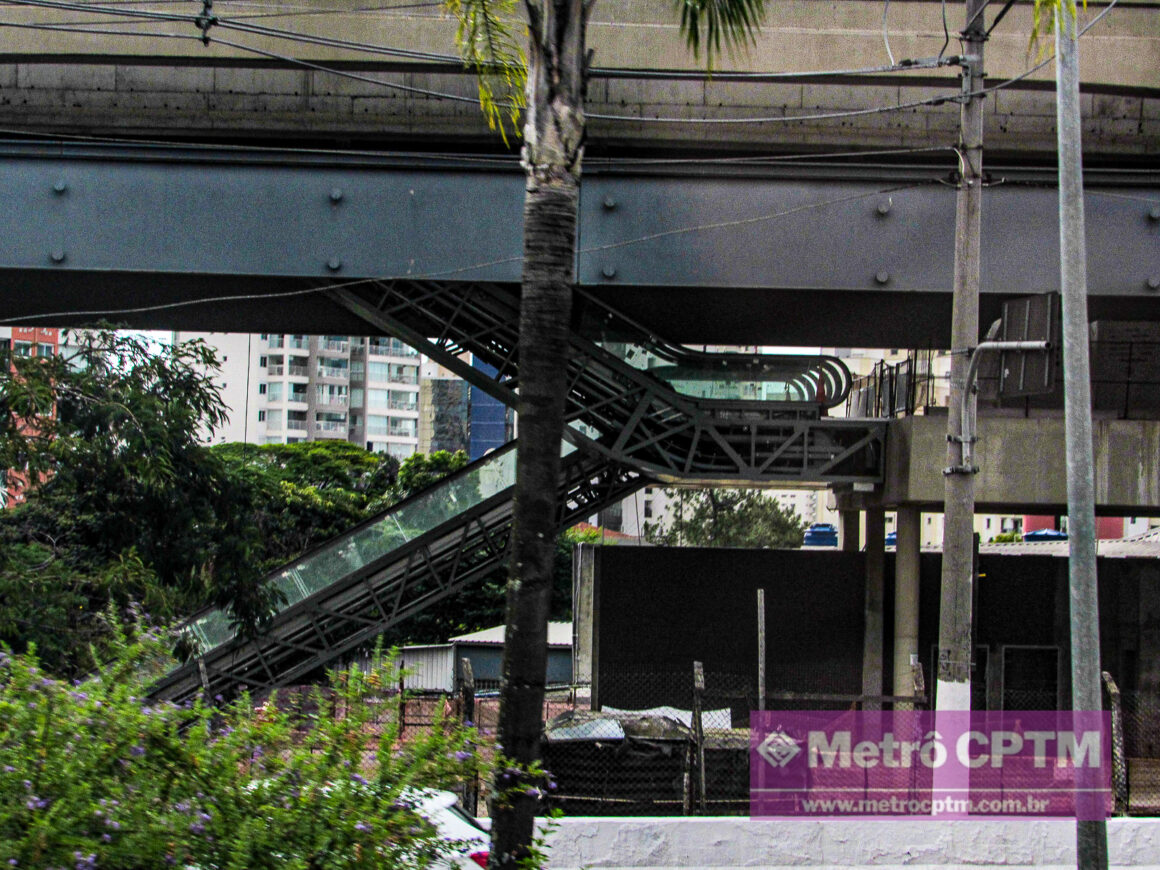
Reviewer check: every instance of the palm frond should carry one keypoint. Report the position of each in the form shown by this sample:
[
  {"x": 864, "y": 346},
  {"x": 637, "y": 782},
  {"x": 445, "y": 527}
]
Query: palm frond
[
  {"x": 490, "y": 41},
  {"x": 1043, "y": 23},
  {"x": 712, "y": 24}
]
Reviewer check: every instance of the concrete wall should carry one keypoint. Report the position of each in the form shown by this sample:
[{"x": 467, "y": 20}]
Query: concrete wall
[
  {"x": 710, "y": 843},
  {"x": 151, "y": 82},
  {"x": 1021, "y": 464}
]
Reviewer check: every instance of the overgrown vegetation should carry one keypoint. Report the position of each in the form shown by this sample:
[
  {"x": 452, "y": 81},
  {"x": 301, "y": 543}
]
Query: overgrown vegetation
[
  {"x": 126, "y": 505},
  {"x": 93, "y": 776}
]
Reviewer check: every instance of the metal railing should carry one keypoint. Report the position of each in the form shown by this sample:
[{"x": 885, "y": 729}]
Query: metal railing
[{"x": 894, "y": 389}]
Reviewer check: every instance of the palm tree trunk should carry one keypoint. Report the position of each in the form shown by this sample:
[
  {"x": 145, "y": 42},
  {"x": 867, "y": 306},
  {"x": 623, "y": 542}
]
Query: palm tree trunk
[{"x": 553, "y": 146}]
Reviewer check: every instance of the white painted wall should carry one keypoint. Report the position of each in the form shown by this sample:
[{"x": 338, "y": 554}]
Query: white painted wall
[{"x": 722, "y": 842}]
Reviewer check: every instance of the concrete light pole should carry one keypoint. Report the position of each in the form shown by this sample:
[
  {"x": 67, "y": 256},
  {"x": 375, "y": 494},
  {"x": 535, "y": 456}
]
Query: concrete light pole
[
  {"x": 1091, "y": 835},
  {"x": 954, "y": 640}
]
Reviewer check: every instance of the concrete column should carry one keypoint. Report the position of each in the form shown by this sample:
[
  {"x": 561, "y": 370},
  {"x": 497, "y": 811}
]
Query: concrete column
[
  {"x": 585, "y": 632},
  {"x": 849, "y": 531},
  {"x": 906, "y": 576},
  {"x": 872, "y": 657}
]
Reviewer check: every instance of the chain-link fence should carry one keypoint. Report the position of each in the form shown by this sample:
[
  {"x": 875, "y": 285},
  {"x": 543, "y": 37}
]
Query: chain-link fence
[
  {"x": 1140, "y": 712},
  {"x": 649, "y": 754}
]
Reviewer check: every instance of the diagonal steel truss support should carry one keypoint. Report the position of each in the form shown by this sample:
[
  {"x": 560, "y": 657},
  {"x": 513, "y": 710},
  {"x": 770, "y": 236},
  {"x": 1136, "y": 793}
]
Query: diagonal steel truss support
[
  {"x": 631, "y": 416},
  {"x": 358, "y": 607}
]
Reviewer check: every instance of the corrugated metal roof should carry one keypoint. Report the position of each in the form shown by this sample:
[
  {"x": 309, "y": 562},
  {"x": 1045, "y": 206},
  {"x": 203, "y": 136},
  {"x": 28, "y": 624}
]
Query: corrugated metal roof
[{"x": 559, "y": 634}]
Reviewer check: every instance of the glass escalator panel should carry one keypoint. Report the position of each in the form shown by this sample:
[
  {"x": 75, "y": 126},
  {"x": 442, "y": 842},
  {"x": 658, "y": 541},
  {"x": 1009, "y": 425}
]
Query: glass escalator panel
[{"x": 353, "y": 551}]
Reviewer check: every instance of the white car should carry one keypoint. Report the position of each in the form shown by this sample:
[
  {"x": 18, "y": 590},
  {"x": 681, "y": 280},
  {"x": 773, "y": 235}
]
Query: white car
[{"x": 453, "y": 823}]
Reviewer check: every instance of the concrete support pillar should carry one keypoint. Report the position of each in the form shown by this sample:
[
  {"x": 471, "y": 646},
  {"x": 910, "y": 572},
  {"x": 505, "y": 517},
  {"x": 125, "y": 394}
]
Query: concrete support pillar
[
  {"x": 872, "y": 656},
  {"x": 906, "y": 577},
  {"x": 849, "y": 531}
]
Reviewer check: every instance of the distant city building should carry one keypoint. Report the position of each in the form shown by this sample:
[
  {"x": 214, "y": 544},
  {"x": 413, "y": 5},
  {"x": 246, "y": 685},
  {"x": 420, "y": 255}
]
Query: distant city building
[
  {"x": 444, "y": 409},
  {"x": 285, "y": 389},
  {"x": 22, "y": 341},
  {"x": 492, "y": 423}
]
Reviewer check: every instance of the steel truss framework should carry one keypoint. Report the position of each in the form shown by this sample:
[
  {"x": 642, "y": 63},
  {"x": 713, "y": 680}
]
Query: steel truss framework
[
  {"x": 628, "y": 415},
  {"x": 359, "y": 606},
  {"x": 630, "y": 428}
]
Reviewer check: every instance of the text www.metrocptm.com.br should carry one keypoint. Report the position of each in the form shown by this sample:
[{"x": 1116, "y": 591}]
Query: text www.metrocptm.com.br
[{"x": 895, "y": 805}]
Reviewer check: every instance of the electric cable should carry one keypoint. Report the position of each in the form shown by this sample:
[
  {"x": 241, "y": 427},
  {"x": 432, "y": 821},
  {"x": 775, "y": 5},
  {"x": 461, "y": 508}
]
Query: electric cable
[
  {"x": 885, "y": 34},
  {"x": 849, "y": 113}
]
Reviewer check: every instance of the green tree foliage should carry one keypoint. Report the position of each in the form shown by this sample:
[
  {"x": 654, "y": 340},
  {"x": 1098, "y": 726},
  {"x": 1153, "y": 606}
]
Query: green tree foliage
[
  {"x": 300, "y": 495},
  {"x": 319, "y": 464},
  {"x": 124, "y": 501},
  {"x": 93, "y": 776},
  {"x": 726, "y": 518}
]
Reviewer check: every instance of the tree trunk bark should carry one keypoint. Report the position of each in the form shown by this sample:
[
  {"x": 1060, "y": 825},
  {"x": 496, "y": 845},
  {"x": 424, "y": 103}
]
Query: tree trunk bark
[{"x": 553, "y": 147}]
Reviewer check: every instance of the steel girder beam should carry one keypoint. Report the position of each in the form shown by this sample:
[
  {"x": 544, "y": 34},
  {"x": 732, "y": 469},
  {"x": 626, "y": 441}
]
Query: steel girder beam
[
  {"x": 702, "y": 257},
  {"x": 358, "y": 606},
  {"x": 627, "y": 414}
]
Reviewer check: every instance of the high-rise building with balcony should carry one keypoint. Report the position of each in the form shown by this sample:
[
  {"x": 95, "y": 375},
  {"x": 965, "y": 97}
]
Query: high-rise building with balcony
[{"x": 283, "y": 389}]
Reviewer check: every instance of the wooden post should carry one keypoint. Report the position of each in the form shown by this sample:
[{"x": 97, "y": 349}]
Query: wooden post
[
  {"x": 467, "y": 712},
  {"x": 402, "y": 709},
  {"x": 699, "y": 732},
  {"x": 760, "y": 649}
]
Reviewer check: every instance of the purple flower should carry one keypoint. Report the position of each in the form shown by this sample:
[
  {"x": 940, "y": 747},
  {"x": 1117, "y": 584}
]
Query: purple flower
[
  {"x": 467, "y": 723},
  {"x": 196, "y": 828},
  {"x": 85, "y": 862},
  {"x": 362, "y": 826},
  {"x": 35, "y": 803},
  {"x": 106, "y": 838},
  {"x": 137, "y": 751},
  {"x": 8, "y": 768},
  {"x": 462, "y": 755},
  {"x": 533, "y": 793},
  {"x": 359, "y": 778}
]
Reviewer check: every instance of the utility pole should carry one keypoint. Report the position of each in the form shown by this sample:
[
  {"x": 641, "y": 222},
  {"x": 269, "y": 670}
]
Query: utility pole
[
  {"x": 954, "y": 637},
  {"x": 1091, "y": 833}
]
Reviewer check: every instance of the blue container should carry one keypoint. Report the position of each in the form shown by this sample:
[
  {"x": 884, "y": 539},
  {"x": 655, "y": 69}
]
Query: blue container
[{"x": 821, "y": 535}]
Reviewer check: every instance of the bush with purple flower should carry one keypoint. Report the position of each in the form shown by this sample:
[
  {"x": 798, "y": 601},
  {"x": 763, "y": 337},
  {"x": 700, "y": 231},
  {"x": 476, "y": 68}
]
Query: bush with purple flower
[{"x": 98, "y": 775}]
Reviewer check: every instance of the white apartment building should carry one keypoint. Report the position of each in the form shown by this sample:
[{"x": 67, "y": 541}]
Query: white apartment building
[{"x": 284, "y": 389}]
